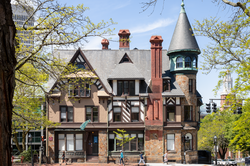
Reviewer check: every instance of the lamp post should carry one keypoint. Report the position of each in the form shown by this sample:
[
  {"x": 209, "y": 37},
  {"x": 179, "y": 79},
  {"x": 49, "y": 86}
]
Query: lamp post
[
  {"x": 30, "y": 140},
  {"x": 184, "y": 140},
  {"x": 215, "y": 149}
]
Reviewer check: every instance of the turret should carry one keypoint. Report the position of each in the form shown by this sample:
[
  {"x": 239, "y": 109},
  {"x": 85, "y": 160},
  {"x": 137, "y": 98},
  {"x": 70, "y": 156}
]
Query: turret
[{"x": 183, "y": 50}]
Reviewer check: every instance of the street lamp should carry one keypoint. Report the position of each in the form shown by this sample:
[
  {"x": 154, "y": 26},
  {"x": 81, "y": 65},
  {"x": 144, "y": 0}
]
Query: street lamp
[
  {"x": 30, "y": 140},
  {"x": 185, "y": 139},
  {"x": 215, "y": 149}
]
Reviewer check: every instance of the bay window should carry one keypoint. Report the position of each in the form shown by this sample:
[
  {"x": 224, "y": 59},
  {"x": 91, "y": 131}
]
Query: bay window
[
  {"x": 70, "y": 142},
  {"x": 136, "y": 144}
]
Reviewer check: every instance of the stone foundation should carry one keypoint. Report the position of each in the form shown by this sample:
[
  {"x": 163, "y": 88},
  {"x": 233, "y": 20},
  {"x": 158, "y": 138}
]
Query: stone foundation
[{"x": 103, "y": 146}]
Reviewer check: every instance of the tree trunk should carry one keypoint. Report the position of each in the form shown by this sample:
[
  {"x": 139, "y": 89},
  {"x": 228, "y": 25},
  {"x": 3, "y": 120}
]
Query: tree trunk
[
  {"x": 7, "y": 79},
  {"x": 15, "y": 140},
  {"x": 23, "y": 140}
]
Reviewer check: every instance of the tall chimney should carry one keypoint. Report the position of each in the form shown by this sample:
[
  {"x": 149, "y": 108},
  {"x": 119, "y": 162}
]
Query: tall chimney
[
  {"x": 105, "y": 44},
  {"x": 124, "y": 39}
]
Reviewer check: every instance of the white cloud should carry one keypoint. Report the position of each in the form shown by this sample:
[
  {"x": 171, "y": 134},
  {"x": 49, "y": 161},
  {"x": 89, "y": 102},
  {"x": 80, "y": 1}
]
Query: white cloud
[
  {"x": 157, "y": 24},
  {"x": 93, "y": 43}
]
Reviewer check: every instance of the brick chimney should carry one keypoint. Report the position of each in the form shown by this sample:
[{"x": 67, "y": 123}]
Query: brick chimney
[
  {"x": 105, "y": 44},
  {"x": 155, "y": 102},
  {"x": 124, "y": 38}
]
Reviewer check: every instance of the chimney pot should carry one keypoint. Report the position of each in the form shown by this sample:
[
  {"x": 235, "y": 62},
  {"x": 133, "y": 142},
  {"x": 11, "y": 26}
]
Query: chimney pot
[
  {"x": 124, "y": 38},
  {"x": 105, "y": 44}
]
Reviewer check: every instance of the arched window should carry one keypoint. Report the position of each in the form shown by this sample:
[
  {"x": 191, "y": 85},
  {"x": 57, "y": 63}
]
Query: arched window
[
  {"x": 187, "y": 62},
  {"x": 179, "y": 62},
  {"x": 194, "y": 63},
  {"x": 188, "y": 141}
]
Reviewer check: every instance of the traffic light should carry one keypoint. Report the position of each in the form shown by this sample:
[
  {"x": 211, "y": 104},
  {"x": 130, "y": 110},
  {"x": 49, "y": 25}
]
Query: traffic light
[
  {"x": 42, "y": 137},
  {"x": 239, "y": 110},
  {"x": 214, "y": 107},
  {"x": 208, "y": 109}
]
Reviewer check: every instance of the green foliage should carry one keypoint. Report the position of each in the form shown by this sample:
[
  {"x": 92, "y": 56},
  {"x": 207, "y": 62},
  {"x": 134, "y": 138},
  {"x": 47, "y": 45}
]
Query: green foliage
[
  {"x": 122, "y": 137},
  {"x": 240, "y": 137},
  {"x": 27, "y": 154},
  {"x": 229, "y": 48}
]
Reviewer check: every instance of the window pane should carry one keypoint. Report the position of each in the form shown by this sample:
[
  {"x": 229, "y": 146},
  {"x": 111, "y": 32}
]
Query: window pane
[
  {"x": 170, "y": 144},
  {"x": 95, "y": 114},
  {"x": 76, "y": 89},
  {"x": 70, "y": 114},
  {"x": 61, "y": 145},
  {"x": 81, "y": 90},
  {"x": 70, "y": 90},
  {"x": 179, "y": 62},
  {"x": 135, "y": 109},
  {"x": 87, "y": 90},
  {"x": 188, "y": 62},
  {"x": 117, "y": 146},
  {"x": 126, "y": 146},
  {"x": 131, "y": 88},
  {"x": 194, "y": 63},
  {"x": 125, "y": 87},
  {"x": 111, "y": 144},
  {"x": 79, "y": 136},
  {"x": 79, "y": 143},
  {"x": 117, "y": 109},
  {"x": 117, "y": 117},
  {"x": 187, "y": 113},
  {"x": 119, "y": 88},
  {"x": 61, "y": 136},
  {"x": 70, "y": 142},
  {"x": 88, "y": 113},
  {"x": 63, "y": 114},
  {"x": 171, "y": 113},
  {"x": 133, "y": 143},
  {"x": 140, "y": 144},
  {"x": 171, "y": 117}
]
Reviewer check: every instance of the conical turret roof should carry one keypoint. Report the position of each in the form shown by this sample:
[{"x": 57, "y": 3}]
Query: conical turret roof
[{"x": 183, "y": 38}]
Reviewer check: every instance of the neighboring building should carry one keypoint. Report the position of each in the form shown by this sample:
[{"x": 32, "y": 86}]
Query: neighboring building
[
  {"x": 150, "y": 93},
  {"x": 19, "y": 18}
]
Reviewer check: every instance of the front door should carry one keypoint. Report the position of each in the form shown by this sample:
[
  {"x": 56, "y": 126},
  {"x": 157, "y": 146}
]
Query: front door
[{"x": 92, "y": 143}]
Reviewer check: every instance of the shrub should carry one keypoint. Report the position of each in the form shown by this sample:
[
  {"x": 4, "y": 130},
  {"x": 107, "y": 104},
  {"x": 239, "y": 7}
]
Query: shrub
[{"x": 27, "y": 154}]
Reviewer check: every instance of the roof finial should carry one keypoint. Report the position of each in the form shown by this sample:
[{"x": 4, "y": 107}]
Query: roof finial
[{"x": 182, "y": 7}]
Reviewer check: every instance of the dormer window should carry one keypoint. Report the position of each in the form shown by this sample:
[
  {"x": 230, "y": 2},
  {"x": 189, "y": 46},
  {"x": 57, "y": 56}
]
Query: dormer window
[
  {"x": 80, "y": 66},
  {"x": 166, "y": 85},
  {"x": 187, "y": 62},
  {"x": 179, "y": 62},
  {"x": 125, "y": 88},
  {"x": 79, "y": 90}
]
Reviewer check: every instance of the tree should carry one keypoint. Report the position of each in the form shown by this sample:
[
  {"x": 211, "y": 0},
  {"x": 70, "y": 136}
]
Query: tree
[
  {"x": 56, "y": 25},
  {"x": 215, "y": 124},
  {"x": 122, "y": 138},
  {"x": 7, "y": 79},
  {"x": 240, "y": 137}
]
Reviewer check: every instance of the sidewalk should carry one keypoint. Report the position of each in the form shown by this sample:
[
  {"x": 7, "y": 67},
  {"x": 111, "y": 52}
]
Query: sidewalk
[{"x": 111, "y": 164}]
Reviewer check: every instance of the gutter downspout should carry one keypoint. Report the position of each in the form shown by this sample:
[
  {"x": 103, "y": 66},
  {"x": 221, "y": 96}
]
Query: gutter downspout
[{"x": 47, "y": 115}]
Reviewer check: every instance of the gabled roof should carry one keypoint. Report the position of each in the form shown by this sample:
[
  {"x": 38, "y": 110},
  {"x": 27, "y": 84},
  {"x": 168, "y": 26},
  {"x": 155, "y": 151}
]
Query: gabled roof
[
  {"x": 183, "y": 38},
  {"x": 125, "y": 71},
  {"x": 106, "y": 65}
]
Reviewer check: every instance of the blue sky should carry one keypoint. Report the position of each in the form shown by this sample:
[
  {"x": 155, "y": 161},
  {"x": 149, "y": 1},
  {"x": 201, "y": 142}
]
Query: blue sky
[{"x": 128, "y": 15}]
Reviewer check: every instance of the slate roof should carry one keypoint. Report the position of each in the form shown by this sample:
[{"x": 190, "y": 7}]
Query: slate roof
[
  {"x": 183, "y": 38},
  {"x": 106, "y": 65}
]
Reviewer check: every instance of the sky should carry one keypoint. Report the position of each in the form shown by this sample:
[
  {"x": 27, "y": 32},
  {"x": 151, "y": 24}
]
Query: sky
[{"x": 142, "y": 25}]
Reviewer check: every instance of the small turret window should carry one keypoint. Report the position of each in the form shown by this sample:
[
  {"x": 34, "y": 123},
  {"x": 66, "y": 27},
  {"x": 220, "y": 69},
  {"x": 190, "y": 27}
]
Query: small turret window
[
  {"x": 187, "y": 62},
  {"x": 194, "y": 63},
  {"x": 179, "y": 62}
]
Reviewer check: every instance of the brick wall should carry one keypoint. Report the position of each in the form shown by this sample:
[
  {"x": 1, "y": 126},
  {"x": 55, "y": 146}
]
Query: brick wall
[{"x": 103, "y": 146}]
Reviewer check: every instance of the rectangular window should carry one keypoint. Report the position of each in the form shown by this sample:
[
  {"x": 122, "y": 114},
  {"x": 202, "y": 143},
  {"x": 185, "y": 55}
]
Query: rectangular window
[
  {"x": 126, "y": 88},
  {"x": 170, "y": 141},
  {"x": 79, "y": 90},
  {"x": 79, "y": 142},
  {"x": 111, "y": 142},
  {"x": 92, "y": 113},
  {"x": 135, "y": 114},
  {"x": 166, "y": 85},
  {"x": 70, "y": 142},
  {"x": 61, "y": 142},
  {"x": 67, "y": 114},
  {"x": 188, "y": 113},
  {"x": 190, "y": 85},
  {"x": 133, "y": 143},
  {"x": 118, "y": 147},
  {"x": 117, "y": 114},
  {"x": 171, "y": 113},
  {"x": 136, "y": 144}
]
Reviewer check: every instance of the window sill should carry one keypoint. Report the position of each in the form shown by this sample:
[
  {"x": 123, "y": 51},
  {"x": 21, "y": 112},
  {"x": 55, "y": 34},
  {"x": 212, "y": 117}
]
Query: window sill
[
  {"x": 79, "y": 96},
  {"x": 171, "y": 151}
]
